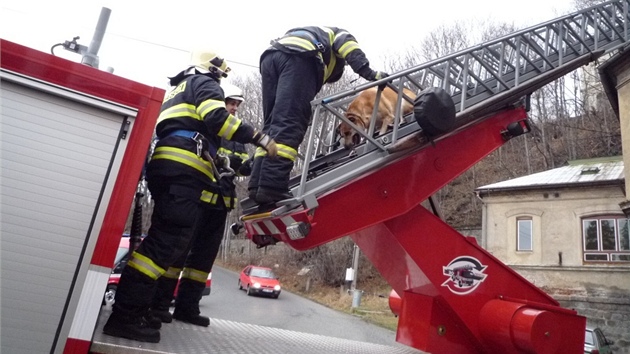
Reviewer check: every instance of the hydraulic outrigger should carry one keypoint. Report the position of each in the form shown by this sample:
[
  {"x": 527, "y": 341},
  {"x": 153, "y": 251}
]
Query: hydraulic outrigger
[{"x": 457, "y": 298}]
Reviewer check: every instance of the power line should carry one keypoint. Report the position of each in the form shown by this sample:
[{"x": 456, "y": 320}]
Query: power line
[{"x": 177, "y": 49}]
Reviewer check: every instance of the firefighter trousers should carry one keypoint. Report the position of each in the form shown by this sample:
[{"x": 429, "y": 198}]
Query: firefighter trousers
[
  {"x": 193, "y": 265},
  {"x": 178, "y": 218},
  {"x": 289, "y": 84}
]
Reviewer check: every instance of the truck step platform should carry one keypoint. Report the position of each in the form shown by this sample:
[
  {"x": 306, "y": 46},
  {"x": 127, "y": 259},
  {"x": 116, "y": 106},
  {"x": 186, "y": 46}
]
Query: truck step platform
[{"x": 228, "y": 337}]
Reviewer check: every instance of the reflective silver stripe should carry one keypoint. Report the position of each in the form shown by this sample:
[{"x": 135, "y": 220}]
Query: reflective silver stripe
[
  {"x": 272, "y": 228},
  {"x": 259, "y": 230},
  {"x": 185, "y": 157},
  {"x": 194, "y": 274},
  {"x": 288, "y": 220},
  {"x": 145, "y": 266}
]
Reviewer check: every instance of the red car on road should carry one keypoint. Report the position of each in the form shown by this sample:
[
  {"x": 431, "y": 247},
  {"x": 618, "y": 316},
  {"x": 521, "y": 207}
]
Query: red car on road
[
  {"x": 122, "y": 256},
  {"x": 259, "y": 280}
]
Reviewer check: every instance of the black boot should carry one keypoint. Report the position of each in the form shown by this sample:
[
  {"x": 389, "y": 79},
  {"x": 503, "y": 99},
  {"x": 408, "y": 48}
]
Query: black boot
[
  {"x": 163, "y": 297},
  {"x": 161, "y": 315},
  {"x": 153, "y": 321},
  {"x": 187, "y": 303},
  {"x": 191, "y": 316},
  {"x": 131, "y": 327},
  {"x": 268, "y": 195}
]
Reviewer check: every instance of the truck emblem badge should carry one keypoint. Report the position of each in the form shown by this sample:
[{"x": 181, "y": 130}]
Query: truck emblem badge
[{"x": 464, "y": 274}]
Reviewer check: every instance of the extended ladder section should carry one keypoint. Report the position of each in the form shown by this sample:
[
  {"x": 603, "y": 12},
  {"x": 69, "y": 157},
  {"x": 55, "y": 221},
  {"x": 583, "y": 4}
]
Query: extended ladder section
[{"x": 457, "y": 298}]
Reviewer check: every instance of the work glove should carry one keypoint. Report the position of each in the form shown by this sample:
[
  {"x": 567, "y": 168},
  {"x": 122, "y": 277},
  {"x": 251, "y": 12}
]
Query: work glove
[
  {"x": 266, "y": 142},
  {"x": 246, "y": 168},
  {"x": 377, "y": 75},
  {"x": 367, "y": 73}
]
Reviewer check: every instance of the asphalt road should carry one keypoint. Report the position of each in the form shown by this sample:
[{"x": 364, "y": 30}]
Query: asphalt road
[{"x": 289, "y": 311}]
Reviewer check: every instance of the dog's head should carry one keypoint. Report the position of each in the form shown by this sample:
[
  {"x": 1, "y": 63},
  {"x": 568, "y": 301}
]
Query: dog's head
[{"x": 348, "y": 133}]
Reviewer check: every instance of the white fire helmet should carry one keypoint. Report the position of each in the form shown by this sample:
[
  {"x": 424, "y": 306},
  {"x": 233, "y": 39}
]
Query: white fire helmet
[
  {"x": 232, "y": 92},
  {"x": 206, "y": 61}
]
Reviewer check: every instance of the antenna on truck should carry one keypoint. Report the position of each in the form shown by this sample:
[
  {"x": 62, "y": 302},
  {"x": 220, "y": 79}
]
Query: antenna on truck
[{"x": 89, "y": 54}]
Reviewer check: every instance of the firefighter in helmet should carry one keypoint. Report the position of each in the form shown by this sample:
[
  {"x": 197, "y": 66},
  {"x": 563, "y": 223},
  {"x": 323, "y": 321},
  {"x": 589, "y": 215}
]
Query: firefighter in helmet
[
  {"x": 235, "y": 162},
  {"x": 183, "y": 179},
  {"x": 294, "y": 69}
]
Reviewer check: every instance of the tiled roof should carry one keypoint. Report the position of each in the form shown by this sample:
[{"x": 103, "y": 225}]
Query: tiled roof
[{"x": 577, "y": 172}]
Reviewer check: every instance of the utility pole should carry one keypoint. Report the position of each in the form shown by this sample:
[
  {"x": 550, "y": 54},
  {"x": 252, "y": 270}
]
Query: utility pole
[{"x": 355, "y": 267}]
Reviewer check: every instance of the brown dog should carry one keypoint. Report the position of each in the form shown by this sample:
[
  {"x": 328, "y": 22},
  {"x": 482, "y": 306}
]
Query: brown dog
[{"x": 360, "y": 112}]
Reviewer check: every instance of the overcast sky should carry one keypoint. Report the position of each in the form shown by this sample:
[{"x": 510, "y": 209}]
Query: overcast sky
[{"x": 147, "y": 41}]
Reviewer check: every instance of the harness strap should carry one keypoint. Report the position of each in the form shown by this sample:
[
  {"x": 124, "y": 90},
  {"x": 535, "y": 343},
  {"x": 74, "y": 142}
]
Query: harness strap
[{"x": 196, "y": 136}]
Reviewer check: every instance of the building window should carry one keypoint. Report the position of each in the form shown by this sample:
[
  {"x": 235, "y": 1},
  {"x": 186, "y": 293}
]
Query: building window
[
  {"x": 524, "y": 240},
  {"x": 606, "y": 239}
]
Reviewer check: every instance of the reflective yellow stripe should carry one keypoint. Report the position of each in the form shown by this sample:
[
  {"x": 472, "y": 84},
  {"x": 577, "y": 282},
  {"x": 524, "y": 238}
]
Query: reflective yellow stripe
[
  {"x": 227, "y": 201},
  {"x": 287, "y": 152},
  {"x": 145, "y": 266},
  {"x": 180, "y": 110},
  {"x": 224, "y": 151},
  {"x": 298, "y": 42},
  {"x": 229, "y": 127},
  {"x": 172, "y": 273},
  {"x": 260, "y": 152},
  {"x": 208, "y": 106},
  {"x": 209, "y": 197},
  {"x": 195, "y": 275},
  {"x": 347, "y": 48},
  {"x": 330, "y": 66},
  {"x": 185, "y": 157}
]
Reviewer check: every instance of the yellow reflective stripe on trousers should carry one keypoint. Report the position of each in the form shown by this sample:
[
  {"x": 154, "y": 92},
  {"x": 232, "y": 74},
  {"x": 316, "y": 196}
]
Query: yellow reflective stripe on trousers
[
  {"x": 172, "y": 273},
  {"x": 145, "y": 266},
  {"x": 209, "y": 197},
  {"x": 185, "y": 157},
  {"x": 195, "y": 275},
  {"x": 180, "y": 110}
]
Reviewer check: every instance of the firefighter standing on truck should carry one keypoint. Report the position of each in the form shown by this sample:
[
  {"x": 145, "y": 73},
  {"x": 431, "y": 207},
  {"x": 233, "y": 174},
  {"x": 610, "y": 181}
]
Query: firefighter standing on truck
[
  {"x": 183, "y": 181},
  {"x": 293, "y": 71},
  {"x": 239, "y": 166}
]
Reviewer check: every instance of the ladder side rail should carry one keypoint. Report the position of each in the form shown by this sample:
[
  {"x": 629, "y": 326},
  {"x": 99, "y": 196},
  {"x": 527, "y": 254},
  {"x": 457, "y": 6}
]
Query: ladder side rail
[
  {"x": 398, "y": 112},
  {"x": 309, "y": 149}
]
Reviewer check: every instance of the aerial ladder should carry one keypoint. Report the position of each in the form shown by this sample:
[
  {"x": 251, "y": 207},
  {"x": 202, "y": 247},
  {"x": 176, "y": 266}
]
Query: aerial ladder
[{"x": 456, "y": 297}]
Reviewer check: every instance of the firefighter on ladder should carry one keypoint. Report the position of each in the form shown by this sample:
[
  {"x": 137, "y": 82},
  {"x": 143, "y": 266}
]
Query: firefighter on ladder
[
  {"x": 183, "y": 181},
  {"x": 293, "y": 71},
  {"x": 239, "y": 166}
]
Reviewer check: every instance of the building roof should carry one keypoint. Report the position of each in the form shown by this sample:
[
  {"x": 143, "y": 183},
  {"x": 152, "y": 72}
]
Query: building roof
[{"x": 578, "y": 172}]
